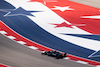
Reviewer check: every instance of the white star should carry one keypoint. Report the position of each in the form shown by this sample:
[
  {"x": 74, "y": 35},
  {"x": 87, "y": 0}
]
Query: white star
[
  {"x": 92, "y": 17},
  {"x": 62, "y": 8}
]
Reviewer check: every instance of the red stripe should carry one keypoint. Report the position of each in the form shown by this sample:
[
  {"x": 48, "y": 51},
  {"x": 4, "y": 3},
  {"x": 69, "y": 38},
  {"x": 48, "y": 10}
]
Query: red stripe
[
  {"x": 2, "y": 65},
  {"x": 94, "y": 63},
  {"x": 73, "y": 16},
  {"x": 20, "y": 38}
]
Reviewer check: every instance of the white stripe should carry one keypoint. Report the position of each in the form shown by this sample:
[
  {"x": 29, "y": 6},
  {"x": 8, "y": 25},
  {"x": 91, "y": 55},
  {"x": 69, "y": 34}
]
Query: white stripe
[
  {"x": 87, "y": 43},
  {"x": 3, "y": 32},
  {"x": 93, "y": 17},
  {"x": 66, "y": 58},
  {"x": 98, "y": 66},
  {"x": 50, "y": 0},
  {"x": 32, "y": 47},
  {"x": 11, "y": 37},
  {"x": 21, "y": 42},
  {"x": 82, "y": 62}
]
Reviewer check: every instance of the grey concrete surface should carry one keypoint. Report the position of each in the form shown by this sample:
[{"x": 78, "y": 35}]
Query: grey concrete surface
[
  {"x": 17, "y": 55},
  {"x": 93, "y": 3}
]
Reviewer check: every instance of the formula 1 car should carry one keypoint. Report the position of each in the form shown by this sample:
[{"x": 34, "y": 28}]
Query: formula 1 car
[{"x": 55, "y": 54}]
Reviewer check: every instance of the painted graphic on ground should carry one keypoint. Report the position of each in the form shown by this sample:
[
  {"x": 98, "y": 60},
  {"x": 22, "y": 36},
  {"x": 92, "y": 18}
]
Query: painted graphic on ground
[{"x": 63, "y": 27}]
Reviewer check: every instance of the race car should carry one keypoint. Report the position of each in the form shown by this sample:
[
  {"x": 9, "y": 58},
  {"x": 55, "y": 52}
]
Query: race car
[{"x": 55, "y": 54}]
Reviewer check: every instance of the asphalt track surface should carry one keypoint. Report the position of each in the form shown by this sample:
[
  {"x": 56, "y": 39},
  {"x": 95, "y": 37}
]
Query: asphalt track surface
[{"x": 17, "y": 55}]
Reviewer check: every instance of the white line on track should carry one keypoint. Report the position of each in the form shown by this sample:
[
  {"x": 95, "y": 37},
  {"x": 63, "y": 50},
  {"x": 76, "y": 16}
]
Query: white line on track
[
  {"x": 21, "y": 42},
  {"x": 32, "y": 47},
  {"x": 3, "y": 32},
  {"x": 11, "y": 37}
]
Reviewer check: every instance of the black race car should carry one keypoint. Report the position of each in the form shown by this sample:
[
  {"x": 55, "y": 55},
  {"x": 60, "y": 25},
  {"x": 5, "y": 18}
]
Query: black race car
[{"x": 55, "y": 54}]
